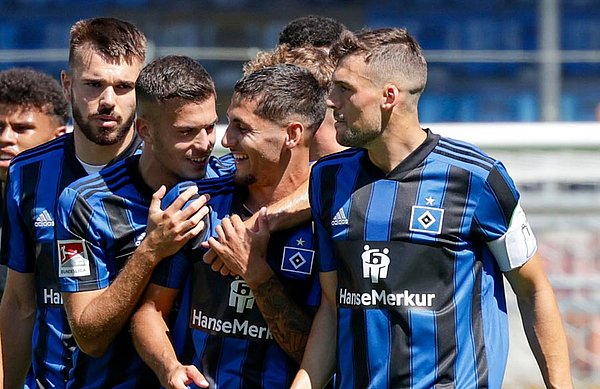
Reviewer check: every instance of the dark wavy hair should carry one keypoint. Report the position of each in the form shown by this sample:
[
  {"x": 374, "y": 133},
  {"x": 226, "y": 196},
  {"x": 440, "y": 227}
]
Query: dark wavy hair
[
  {"x": 30, "y": 88},
  {"x": 311, "y": 30}
]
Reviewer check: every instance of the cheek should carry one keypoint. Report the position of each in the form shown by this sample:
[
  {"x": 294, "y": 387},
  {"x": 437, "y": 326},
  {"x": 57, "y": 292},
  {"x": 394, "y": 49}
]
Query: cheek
[
  {"x": 27, "y": 141},
  {"x": 127, "y": 102}
]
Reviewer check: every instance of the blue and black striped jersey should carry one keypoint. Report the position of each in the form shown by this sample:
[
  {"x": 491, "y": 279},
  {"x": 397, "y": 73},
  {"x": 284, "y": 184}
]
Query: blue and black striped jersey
[
  {"x": 219, "y": 327},
  {"x": 101, "y": 219},
  {"x": 36, "y": 179},
  {"x": 420, "y": 291}
]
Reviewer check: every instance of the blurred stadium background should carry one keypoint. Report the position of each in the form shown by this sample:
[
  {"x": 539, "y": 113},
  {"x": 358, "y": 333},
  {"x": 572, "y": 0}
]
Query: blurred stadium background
[{"x": 520, "y": 78}]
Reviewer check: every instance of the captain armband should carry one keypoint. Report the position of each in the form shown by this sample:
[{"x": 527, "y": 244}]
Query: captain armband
[{"x": 517, "y": 245}]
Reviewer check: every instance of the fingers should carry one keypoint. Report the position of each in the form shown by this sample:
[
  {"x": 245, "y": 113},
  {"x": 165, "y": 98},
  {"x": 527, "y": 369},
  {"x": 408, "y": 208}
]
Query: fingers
[
  {"x": 263, "y": 221},
  {"x": 156, "y": 197},
  {"x": 211, "y": 257},
  {"x": 196, "y": 376},
  {"x": 183, "y": 376},
  {"x": 183, "y": 198}
]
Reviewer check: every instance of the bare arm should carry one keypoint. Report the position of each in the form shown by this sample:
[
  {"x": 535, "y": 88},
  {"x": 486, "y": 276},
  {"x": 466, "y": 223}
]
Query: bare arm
[
  {"x": 318, "y": 363},
  {"x": 243, "y": 250},
  {"x": 96, "y": 317},
  {"x": 151, "y": 339},
  {"x": 17, "y": 316},
  {"x": 542, "y": 322}
]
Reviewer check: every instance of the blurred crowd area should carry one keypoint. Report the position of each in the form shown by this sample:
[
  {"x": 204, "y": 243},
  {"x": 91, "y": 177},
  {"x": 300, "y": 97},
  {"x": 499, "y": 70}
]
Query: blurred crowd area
[{"x": 496, "y": 60}]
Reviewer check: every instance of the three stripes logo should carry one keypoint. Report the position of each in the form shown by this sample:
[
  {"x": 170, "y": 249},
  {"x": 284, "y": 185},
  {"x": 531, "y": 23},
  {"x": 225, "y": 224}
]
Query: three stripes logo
[
  {"x": 340, "y": 218},
  {"x": 44, "y": 220}
]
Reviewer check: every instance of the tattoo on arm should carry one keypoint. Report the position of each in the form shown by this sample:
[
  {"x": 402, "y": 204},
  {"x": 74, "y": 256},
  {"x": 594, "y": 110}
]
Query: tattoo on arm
[{"x": 289, "y": 324}]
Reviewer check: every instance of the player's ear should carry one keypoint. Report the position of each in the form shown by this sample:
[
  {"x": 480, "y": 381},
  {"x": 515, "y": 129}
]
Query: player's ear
[
  {"x": 65, "y": 79},
  {"x": 58, "y": 131},
  {"x": 294, "y": 134},
  {"x": 142, "y": 126},
  {"x": 391, "y": 96}
]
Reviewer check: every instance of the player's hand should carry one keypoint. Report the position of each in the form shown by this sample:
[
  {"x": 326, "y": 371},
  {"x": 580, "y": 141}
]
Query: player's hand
[
  {"x": 243, "y": 250},
  {"x": 182, "y": 376},
  {"x": 169, "y": 230},
  {"x": 211, "y": 258}
]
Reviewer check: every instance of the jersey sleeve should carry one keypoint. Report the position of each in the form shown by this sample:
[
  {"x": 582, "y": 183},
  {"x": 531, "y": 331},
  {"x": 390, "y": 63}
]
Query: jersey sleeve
[
  {"x": 16, "y": 252},
  {"x": 324, "y": 247},
  {"x": 502, "y": 223},
  {"x": 81, "y": 263}
]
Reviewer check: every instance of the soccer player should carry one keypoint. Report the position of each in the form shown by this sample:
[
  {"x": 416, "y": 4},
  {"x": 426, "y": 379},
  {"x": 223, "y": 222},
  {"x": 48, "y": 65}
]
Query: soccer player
[
  {"x": 111, "y": 231},
  {"x": 317, "y": 61},
  {"x": 33, "y": 110},
  {"x": 247, "y": 330},
  {"x": 416, "y": 232},
  {"x": 105, "y": 58}
]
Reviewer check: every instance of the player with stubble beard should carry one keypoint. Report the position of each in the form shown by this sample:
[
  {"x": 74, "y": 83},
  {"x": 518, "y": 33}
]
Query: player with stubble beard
[{"x": 105, "y": 58}]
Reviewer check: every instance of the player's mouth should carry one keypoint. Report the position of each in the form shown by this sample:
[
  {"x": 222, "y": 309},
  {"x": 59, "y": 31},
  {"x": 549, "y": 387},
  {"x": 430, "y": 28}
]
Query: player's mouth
[
  {"x": 339, "y": 117},
  {"x": 239, "y": 157},
  {"x": 106, "y": 121},
  {"x": 5, "y": 158},
  {"x": 199, "y": 160}
]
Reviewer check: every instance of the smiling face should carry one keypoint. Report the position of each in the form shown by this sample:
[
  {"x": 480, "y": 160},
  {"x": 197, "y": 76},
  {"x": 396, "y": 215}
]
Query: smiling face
[
  {"x": 256, "y": 143},
  {"x": 22, "y": 128},
  {"x": 356, "y": 102},
  {"x": 102, "y": 96},
  {"x": 179, "y": 136}
]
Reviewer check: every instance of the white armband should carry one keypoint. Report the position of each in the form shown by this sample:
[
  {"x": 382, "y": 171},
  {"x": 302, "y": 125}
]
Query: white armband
[{"x": 517, "y": 245}]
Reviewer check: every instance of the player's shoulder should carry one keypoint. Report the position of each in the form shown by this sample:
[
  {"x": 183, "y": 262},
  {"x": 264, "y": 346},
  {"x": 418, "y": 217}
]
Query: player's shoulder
[
  {"x": 343, "y": 157},
  {"x": 51, "y": 150},
  {"x": 464, "y": 155},
  {"x": 99, "y": 185}
]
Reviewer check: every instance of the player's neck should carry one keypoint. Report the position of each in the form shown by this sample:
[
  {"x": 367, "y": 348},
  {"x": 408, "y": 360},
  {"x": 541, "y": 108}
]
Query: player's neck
[
  {"x": 95, "y": 154},
  {"x": 278, "y": 186},
  {"x": 392, "y": 147}
]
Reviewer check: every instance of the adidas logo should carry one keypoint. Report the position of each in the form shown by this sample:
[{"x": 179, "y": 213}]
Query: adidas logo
[
  {"x": 44, "y": 220},
  {"x": 340, "y": 218}
]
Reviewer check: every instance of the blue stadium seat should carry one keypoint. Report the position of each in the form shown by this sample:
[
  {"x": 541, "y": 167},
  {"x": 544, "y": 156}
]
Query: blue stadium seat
[
  {"x": 8, "y": 35},
  {"x": 581, "y": 32}
]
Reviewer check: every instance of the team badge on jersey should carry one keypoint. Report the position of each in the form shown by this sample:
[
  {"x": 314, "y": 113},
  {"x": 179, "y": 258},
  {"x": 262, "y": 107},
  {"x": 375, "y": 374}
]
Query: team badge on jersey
[
  {"x": 297, "y": 260},
  {"x": 426, "y": 219},
  {"x": 73, "y": 258}
]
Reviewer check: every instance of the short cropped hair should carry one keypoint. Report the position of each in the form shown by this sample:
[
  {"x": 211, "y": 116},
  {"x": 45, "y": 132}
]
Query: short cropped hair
[
  {"x": 284, "y": 93},
  {"x": 311, "y": 30},
  {"x": 308, "y": 57},
  {"x": 113, "y": 38},
  {"x": 174, "y": 76},
  {"x": 28, "y": 88},
  {"x": 391, "y": 53}
]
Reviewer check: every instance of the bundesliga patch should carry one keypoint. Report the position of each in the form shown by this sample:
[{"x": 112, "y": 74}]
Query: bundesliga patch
[
  {"x": 297, "y": 260},
  {"x": 426, "y": 219},
  {"x": 73, "y": 258}
]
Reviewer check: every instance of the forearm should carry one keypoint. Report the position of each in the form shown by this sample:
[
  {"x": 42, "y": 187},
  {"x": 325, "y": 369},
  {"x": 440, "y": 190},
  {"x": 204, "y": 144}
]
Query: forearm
[
  {"x": 290, "y": 211},
  {"x": 17, "y": 318},
  {"x": 150, "y": 336},
  {"x": 16, "y": 327},
  {"x": 289, "y": 324},
  {"x": 546, "y": 337},
  {"x": 102, "y": 319},
  {"x": 318, "y": 363}
]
